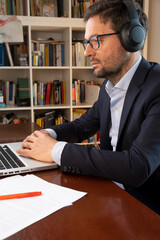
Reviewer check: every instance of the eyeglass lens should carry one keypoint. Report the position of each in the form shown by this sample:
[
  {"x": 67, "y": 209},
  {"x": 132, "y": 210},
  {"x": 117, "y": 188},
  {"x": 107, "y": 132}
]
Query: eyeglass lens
[{"x": 93, "y": 41}]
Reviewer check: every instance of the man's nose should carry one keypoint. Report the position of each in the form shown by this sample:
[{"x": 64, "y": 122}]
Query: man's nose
[{"x": 88, "y": 51}]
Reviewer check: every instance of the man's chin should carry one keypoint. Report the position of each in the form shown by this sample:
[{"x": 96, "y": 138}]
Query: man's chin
[{"x": 99, "y": 73}]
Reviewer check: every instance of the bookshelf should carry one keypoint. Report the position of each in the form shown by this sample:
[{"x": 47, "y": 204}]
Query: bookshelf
[{"x": 62, "y": 29}]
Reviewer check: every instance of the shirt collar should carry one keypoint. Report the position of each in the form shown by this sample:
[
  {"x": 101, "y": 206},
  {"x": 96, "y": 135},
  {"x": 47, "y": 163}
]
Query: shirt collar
[{"x": 125, "y": 80}]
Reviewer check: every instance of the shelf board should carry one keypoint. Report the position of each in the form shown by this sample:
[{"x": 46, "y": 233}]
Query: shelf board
[
  {"x": 15, "y": 108},
  {"x": 51, "y": 106},
  {"x": 50, "y": 67}
]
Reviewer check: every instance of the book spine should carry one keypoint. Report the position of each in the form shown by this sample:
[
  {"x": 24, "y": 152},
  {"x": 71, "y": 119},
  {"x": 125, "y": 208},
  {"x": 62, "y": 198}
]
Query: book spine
[
  {"x": 73, "y": 94},
  {"x": 3, "y": 7},
  {"x": 60, "y": 6},
  {"x": 11, "y": 7},
  {"x": 1, "y": 54},
  {"x": 48, "y": 92},
  {"x": 46, "y": 54},
  {"x": 14, "y": 7},
  {"x": 56, "y": 92},
  {"x": 8, "y": 7},
  {"x": 17, "y": 7},
  {"x": 42, "y": 93},
  {"x": 50, "y": 55},
  {"x": 62, "y": 55}
]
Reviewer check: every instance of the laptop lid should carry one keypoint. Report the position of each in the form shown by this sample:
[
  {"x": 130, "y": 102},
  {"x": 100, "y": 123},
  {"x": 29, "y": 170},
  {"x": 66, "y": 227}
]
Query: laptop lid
[{"x": 30, "y": 165}]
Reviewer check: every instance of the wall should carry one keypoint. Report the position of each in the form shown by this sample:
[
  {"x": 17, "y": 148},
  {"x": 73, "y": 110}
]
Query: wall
[{"x": 154, "y": 31}]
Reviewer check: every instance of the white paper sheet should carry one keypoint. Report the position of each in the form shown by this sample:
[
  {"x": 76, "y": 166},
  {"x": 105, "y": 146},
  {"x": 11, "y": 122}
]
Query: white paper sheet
[{"x": 17, "y": 214}]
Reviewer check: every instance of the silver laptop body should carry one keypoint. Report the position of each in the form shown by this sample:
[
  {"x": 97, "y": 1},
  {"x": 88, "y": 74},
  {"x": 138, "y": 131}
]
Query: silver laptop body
[{"x": 10, "y": 165}]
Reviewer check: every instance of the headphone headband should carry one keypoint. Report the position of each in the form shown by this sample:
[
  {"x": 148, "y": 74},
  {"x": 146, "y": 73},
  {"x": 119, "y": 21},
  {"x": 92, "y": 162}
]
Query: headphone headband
[{"x": 131, "y": 9}]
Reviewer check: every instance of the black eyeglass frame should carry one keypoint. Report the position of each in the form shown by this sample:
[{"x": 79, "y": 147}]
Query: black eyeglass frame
[{"x": 97, "y": 37}]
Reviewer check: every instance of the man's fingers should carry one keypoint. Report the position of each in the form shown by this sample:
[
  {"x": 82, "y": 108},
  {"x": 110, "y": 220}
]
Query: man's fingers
[
  {"x": 24, "y": 151},
  {"x": 37, "y": 133},
  {"x": 26, "y": 145}
]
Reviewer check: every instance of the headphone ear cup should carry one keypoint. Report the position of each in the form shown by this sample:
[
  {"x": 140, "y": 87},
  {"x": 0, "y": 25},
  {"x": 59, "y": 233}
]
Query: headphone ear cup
[{"x": 132, "y": 36}]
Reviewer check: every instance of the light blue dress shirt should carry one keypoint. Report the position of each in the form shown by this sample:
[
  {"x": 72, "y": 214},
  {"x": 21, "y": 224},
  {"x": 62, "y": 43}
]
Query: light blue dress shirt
[{"x": 117, "y": 95}]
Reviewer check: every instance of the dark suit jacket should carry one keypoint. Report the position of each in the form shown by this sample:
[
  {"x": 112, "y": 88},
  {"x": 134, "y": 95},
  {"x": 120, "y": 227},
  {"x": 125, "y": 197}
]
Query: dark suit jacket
[{"x": 136, "y": 162}]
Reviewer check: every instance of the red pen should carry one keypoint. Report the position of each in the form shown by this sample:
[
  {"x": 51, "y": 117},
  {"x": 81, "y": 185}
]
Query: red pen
[{"x": 20, "y": 195}]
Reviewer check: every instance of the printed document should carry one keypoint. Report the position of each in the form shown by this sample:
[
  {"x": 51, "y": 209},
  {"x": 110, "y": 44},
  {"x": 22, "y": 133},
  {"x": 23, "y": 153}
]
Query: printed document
[{"x": 16, "y": 214}]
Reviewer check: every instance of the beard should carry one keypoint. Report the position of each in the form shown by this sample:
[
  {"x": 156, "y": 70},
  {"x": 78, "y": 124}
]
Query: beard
[{"x": 113, "y": 67}]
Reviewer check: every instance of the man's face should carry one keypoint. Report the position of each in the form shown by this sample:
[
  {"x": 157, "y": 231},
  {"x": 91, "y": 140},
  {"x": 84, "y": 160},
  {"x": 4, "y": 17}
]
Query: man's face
[{"x": 110, "y": 59}]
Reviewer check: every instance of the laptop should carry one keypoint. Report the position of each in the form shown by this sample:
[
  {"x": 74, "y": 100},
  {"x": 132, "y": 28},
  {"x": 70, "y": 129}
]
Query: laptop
[{"x": 12, "y": 163}]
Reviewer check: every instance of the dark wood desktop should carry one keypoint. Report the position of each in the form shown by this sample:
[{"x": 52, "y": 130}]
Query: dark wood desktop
[{"x": 106, "y": 213}]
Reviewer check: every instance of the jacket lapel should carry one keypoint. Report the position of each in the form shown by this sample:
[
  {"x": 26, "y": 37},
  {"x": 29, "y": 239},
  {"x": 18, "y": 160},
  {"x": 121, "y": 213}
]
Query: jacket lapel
[
  {"x": 133, "y": 91},
  {"x": 105, "y": 118}
]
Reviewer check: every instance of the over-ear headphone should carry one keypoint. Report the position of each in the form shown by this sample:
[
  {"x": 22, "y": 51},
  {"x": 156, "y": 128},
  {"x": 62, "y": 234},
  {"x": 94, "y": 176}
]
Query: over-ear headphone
[{"x": 132, "y": 33}]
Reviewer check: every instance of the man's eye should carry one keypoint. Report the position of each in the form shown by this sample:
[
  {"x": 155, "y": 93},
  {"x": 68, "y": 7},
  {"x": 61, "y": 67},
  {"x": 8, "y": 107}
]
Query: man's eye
[{"x": 93, "y": 39}]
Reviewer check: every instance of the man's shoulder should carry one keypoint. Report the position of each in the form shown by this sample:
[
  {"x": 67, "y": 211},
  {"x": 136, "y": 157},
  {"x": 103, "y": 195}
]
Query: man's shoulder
[{"x": 154, "y": 66}]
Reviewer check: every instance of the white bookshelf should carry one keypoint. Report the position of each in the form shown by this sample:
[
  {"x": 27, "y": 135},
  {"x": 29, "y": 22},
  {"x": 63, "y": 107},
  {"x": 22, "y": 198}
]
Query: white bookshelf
[{"x": 60, "y": 29}]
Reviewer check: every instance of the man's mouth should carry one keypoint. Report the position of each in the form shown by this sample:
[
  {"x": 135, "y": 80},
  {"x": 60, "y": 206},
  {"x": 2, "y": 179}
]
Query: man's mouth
[{"x": 94, "y": 63}]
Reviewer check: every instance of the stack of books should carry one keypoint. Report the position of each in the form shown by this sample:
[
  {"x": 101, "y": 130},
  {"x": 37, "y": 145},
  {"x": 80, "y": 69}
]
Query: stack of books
[
  {"x": 23, "y": 96},
  {"x": 48, "y": 119},
  {"x": 49, "y": 93},
  {"x": 13, "y": 7},
  {"x": 47, "y": 52}
]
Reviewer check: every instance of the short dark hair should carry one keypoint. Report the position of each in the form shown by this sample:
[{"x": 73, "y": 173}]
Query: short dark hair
[{"x": 115, "y": 12}]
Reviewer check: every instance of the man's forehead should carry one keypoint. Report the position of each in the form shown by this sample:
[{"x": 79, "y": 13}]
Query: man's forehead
[{"x": 94, "y": 26}]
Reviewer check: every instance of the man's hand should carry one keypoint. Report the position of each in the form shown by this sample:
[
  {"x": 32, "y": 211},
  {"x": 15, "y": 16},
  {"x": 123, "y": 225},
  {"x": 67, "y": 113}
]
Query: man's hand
[{"x": 38, "y": 145}]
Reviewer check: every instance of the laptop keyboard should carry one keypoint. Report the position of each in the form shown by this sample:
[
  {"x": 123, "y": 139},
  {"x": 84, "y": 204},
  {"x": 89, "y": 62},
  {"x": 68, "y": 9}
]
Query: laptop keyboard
[{"x": 8, "y": 159}]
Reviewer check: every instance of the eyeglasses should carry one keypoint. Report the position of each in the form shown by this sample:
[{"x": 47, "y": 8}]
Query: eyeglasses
[{"x": 94, "y": 40}]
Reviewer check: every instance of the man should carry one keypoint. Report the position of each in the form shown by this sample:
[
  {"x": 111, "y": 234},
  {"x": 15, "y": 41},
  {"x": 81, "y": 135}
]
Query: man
[{"x": 127, "y": 112}]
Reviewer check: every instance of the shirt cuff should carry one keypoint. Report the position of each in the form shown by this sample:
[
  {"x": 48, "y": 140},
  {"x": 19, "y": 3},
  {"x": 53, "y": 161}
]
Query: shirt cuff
[
  {"x": 57, "y": 151},
  {"x": 52, "y": 133}
]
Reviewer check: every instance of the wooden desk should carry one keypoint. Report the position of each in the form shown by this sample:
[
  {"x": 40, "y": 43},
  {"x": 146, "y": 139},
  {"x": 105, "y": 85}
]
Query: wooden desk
[
  {"x": 16, "y": 132},
  {"x": 105, "y": 213}
]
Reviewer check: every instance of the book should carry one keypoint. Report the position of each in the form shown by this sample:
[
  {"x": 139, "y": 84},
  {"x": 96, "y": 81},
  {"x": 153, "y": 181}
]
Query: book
[
  {"x": 73, "y": 94},
  {"x": 48, "y": 92},
  {"x": 1, "y": 54},
  {"x": 46, "y": 49},
  {"x": 49, "y": 119},
  {"x": 35, "y": 99},
  {"x": 52, "y": 94},
  {"x": 17, "y": 7},
  {"x": 13, "y": 93},
  {"x": 3, "y": 7},
  {"x": 2, "y": 105},
  {"x": 56, "y": 91},
  {"x": 78, "y": 112},
  {"x": 60, "y": 6},
  {"x": 59, "y": 55},
  {"x": 38, "y": 92},
  {"x": 63, "y": 92},
  {"x": 8, "y": 6},
  {"x": 42, "y": 93},
  {"x": 51, "y": 59},
  {"x": 91, "y": 93},
  {"x": 40, "y": 121},
  {"x": 7, "y": 92},
  {"x": 23, "y": 96},
  {"x": 21, "y": 7},
  {"x": 79, "y": 51}
]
